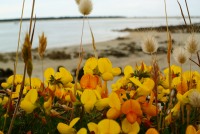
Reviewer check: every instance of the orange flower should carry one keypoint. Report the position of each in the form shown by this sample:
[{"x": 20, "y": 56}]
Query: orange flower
[
  {"x": 152, "y": 131},
  {"x": 148, "y": 108},
  {"x": 132, "y": 110},
  {"x": 89, "y": 81}
]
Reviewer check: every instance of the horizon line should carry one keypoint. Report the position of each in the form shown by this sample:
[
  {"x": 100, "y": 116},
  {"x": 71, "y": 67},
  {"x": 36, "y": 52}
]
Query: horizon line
[{"x": 91, "y": 17}]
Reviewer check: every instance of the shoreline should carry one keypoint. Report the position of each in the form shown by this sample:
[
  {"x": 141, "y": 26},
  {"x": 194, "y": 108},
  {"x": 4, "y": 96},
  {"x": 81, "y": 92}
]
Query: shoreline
[{"x": 121, "y": 51}]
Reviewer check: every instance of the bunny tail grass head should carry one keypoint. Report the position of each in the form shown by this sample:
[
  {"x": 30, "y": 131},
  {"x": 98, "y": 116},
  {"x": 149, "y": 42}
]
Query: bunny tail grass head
[
  {"x": 42, "y": 45},
  {"x": 180, "y": 55},
  {"x": 77, "y": 2},
  {"x": 85, "y": 7},
  {"x": 194, "y": 98},
  {"x": 192, "y": 45},
  {"x": 149, "y": 45},
  {"x": 26, "y": 49}
]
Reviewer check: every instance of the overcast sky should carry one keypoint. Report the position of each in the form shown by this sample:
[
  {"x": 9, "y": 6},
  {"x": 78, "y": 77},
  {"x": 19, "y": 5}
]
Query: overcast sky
[{"x": 129, "y": 8}]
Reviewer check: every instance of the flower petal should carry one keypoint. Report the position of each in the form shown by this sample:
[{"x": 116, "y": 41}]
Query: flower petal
[
  {"x": 65, "y": 129},
  {"x": 130, "y": 128},
  {"x": 114, "y": 101},
  {"x": 82, "y": 131},
  {"x": 74, "y": 121},
  {"x": 190, "y": 130},
  {"x": 108, "y": 126},
  {"x": 92, "y": 127},
  {"x": 48, "y": 72}
]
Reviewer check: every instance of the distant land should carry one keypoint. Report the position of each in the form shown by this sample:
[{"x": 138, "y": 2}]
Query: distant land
[{"x": 90, "y": 17}]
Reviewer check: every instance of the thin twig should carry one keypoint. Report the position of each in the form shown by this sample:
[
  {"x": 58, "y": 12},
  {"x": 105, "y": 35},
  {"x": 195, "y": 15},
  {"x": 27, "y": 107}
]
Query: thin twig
[
  {"x": 188, "y": 13},
  {"x": 32, "y": 35},
  {"x": 30, "y": 27},
  {"x": 195, "y": 62},
  {"x": 182, "y": 13},
  {"x": 93, "y": 40},
  {"x": 80, "y": 57}
]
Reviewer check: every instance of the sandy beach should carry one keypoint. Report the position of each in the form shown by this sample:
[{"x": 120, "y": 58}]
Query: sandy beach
[{"x": 121, "y": 51}]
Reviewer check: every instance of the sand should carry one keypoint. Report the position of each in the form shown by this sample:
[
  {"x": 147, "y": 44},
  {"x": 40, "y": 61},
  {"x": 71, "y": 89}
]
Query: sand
[{"x": 121, "y": 51}]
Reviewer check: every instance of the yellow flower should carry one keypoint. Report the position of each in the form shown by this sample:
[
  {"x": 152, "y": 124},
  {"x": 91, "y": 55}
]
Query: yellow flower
[
  {"x": 82, "y": 131},
  {"x": 4, "y": 101},
  {"x": 129, "y": 128},
  {"x": 62, "y": 77},
  {"x": 143, "y": 67},
  {"x": 90, "y": 65},
  {"x": 105, "y": 126},
  {"x": 47, "y": 105},
  {"x": 35, "y": 83},
  {"x": 162, "y": 94},
  {"x": 128, "y": 71},
  {"x": 106, "y": 70},
  {"x": 88, "y": 99},
  {"x": 66, "y": 76},
  {"x": 9, "y": 81},
  {"x": 102, "y": 103},
  {"x": 180, "y": 84},
  {"x": 67, "y": 129},
  {"x": 175, "y": 70},
  {"x": 143, "y": 88},
  {"x": 28, "y": 103},
  {"x": 114, "y": 103}
]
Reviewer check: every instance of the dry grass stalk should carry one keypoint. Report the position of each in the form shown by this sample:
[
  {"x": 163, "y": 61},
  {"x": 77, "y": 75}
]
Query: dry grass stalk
[
  {"x": 155, "y": 76},
  {"x": 188, "y": 15},
  {"x": 93, "y": 40},
  {"x": 16, "y": 61},
  {"x": 30, "y": 27},
  {"x": 169, "y": 55},
  {"x": 80, "y": 57},
  {"x": 26, "y": 54},
  {"x": 182, "y": 12}
]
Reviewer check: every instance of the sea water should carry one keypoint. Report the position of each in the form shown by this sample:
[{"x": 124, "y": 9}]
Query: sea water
[{"x": 67, "y": 32}]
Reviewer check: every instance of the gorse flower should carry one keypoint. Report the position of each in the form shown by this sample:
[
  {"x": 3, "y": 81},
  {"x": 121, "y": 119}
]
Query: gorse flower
[
  {"x": 191, "y": 44},
  {"x": 180, "y": 55},
  {"x": 149, "y": 45},
  {"x": 85, "y": 6}
]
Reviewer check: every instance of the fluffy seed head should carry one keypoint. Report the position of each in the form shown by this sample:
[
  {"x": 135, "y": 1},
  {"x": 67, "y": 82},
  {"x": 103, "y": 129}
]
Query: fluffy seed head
[
  {"x": 180, "y": 55},
  {"x": 191, "y": 44},
  {"x": 77, "y": 1},
  {"x": 85, "y": 7},
  {"x": 194, "y": 98},
  {"x": 149, "y": 45}
]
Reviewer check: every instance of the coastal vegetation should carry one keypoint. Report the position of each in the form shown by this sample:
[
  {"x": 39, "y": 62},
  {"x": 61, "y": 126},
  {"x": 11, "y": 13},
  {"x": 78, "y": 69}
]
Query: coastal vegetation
[{"x": 100, "y": 97}]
